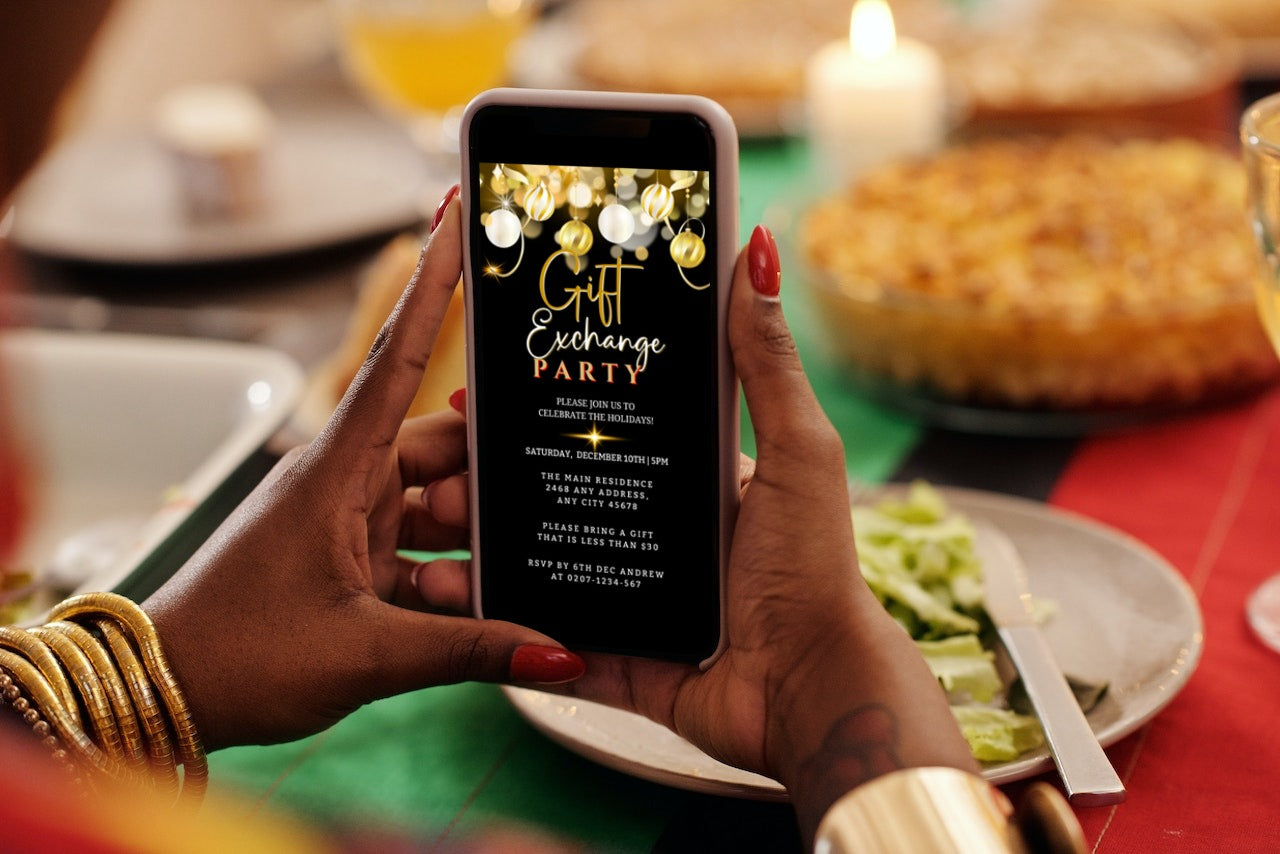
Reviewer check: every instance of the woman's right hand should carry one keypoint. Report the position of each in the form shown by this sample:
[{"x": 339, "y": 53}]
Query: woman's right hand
[{"x": 818, "y": 687}]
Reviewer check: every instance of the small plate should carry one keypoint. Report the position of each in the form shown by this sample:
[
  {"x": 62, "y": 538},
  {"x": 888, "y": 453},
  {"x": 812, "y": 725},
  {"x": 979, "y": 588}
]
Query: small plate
[
  {"x": 124, "y": 437},
  {"x": 112, "y": 197},
  {"x": 1125, "y": 616}
]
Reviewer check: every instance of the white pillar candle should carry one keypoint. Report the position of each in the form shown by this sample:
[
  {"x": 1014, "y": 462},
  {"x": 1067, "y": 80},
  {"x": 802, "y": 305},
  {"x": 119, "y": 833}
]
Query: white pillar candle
[{"x": 874, "y": 97}]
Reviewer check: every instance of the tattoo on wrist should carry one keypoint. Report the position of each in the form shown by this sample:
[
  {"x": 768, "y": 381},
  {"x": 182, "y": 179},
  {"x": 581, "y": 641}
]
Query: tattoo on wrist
[{"x": 860, "y": 746}]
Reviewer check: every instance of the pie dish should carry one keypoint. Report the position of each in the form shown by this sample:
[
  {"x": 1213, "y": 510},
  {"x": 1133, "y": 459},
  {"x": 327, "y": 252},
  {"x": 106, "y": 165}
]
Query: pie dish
[{"x": 1073, "y": 273}]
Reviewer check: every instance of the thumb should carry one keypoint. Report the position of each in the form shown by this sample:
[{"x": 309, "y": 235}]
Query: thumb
[
  {"x": 374, "y": 406},
  {"x": 792, "y": 432},
  {"x": 417, "y": 650}
]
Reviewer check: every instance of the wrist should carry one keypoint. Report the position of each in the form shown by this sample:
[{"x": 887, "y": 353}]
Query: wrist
[
  {"x": 825, "y": 696},
  {"x": 188, "y": 670},
  {"x": 837, "y": 677},
  {"x": 866, "y": 706}
]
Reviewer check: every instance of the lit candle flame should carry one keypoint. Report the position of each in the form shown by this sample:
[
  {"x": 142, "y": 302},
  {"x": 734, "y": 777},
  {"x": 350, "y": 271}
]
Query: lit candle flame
[{"x": 871, "y": 34}]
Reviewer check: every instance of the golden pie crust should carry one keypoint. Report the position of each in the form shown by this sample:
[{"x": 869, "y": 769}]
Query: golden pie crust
[
  {"x": 380, "y": 288},
  {"x": 1073, "y": 272}
]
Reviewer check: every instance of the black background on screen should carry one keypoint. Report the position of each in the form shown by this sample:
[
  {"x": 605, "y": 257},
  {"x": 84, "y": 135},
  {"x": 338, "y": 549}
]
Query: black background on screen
[{"x": 676, "y": 617}]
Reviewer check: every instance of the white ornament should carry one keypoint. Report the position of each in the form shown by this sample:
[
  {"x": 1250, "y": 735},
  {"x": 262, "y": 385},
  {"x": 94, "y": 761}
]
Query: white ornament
[
  {"x": 616, "y": 223},
  {"x": 503, "y": 229},
  {"x": 580, "y": 195}
]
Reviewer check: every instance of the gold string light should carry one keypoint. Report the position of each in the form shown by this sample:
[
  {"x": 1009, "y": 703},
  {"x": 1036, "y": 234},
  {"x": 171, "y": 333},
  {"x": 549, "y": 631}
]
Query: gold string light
[{"x": 541, "y": 191}]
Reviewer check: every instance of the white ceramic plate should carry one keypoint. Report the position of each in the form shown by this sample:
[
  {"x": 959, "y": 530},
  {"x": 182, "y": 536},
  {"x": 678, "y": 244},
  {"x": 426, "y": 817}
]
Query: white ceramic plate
[
  {"x": 1125, "y": 616},
  {"x": 126, "y": 435},
  {"x": 113, "y": 196}
]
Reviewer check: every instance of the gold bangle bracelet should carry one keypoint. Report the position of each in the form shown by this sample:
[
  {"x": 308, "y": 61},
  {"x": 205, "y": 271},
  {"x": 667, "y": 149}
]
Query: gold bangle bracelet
[
  {"x": 37, "y": 652},
  {"x": 195, "y": 769},
  {"x": 921, "y": 809},
  {"x": 89, "y": 687},
  {"x": 941, "y": 810},
  {"x": 47, "y": 702},
  {"x": 131, "y": 742},
  {"x": 154, "y": 726}
]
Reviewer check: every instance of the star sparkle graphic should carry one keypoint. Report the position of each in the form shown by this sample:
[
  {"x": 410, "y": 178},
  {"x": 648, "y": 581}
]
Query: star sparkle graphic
[{"x": 595, "y": 437}]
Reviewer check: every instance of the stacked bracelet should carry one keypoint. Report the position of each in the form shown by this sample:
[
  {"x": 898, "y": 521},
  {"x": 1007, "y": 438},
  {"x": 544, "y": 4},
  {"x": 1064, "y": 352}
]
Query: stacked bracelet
[
  {"x": 945, "y": 810},
  {"x": 94, "y": 685}
]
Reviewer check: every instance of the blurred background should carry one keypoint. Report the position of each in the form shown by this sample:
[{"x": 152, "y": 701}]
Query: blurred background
[{"x": 351, "y": 92}]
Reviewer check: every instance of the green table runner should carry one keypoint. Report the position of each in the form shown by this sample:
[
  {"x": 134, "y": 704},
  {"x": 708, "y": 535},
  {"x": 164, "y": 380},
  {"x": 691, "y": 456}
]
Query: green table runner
[{"x": 444, "y": 762}]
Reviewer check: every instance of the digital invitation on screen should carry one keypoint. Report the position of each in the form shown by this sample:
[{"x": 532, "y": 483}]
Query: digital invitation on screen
[{"x": 596, "y": 396}]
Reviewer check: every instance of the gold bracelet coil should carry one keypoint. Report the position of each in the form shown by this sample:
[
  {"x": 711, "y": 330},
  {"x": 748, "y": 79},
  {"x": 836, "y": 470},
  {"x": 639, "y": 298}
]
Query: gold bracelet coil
[
  {"x": 46, "y": 700},
  {"x": 135, "y": 749},
  {"x": 195, "y": 768},
  {"x": 150, "y": 715},
  {"x": 36, "y": 652},
  {"x": 101, "y": 718},
  {"x": 95, "y": 686}
]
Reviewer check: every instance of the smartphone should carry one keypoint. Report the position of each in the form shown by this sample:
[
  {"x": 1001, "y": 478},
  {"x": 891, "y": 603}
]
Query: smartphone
[{"x": 602, "y": 407}]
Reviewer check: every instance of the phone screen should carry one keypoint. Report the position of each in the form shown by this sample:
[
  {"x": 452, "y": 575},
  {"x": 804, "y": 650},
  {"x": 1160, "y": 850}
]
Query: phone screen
[{"x": 595, "y": 323}]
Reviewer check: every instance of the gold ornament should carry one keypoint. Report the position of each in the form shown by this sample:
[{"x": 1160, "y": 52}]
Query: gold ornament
[
  {"x": 688, "y": 250},
  {"x": 575, "y": 237},
  {"x": 657, "y": 201},
  {"x": 498, "y": 183},
  {"x": 539, "y": 203}
]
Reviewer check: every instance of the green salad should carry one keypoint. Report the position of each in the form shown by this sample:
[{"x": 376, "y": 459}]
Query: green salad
[{"x": 918, "y": 558}]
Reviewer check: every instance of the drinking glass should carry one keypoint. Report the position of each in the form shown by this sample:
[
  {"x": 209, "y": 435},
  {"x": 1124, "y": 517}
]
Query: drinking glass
[
  {"x": 1260, "y": 138},
  {"x": 423, "y": 60}
]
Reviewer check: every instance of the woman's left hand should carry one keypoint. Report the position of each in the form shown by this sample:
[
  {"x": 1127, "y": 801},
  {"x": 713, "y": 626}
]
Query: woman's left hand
[{"x": 298, "y": 610}]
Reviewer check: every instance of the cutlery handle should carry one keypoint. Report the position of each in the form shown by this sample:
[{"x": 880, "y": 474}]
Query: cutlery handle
[{"x": 1086, "y": 772}]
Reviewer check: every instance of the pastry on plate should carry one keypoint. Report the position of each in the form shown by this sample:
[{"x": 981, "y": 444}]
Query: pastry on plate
[
  {"x": 1060, "y": 273},
  {"x": 383, "y": 282}
]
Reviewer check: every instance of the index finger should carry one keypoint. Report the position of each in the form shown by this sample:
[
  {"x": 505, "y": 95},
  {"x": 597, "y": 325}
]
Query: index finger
[{"x": 377, "y": 400}]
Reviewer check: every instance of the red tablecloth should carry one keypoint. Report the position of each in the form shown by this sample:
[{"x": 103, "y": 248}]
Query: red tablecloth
[{"x": 1204, "y": 491}]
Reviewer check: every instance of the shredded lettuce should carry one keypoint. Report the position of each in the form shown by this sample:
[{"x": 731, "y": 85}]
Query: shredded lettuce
[
  {"x": 918, "y": 557},
  {"x": 963, "y": 666},
  {"x": 916, "y": 554},
  {"x": 997, "y": 735}
]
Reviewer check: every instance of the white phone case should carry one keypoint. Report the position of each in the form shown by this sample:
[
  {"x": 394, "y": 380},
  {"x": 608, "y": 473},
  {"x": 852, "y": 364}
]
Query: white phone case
[{"x": 725, "y": 143}]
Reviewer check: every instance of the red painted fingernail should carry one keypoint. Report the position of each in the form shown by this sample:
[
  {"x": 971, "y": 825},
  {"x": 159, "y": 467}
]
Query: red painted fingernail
[
  {"x": 458, "y": 400},
  {"x": 444, "y": 206},
  {"x": 763, "y": 265},
  {"x": 533, "y": 662}
]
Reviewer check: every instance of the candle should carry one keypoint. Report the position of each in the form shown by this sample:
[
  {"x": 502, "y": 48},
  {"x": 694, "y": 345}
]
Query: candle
[{"x": 875, "y": 97}]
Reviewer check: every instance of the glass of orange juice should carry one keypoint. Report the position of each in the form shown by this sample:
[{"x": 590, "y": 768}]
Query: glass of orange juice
[{"x": 423, "y": 60}]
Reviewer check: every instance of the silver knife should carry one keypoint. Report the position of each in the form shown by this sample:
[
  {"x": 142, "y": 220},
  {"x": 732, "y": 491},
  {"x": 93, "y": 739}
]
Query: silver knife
[{"x": 1086, "y": 772}]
